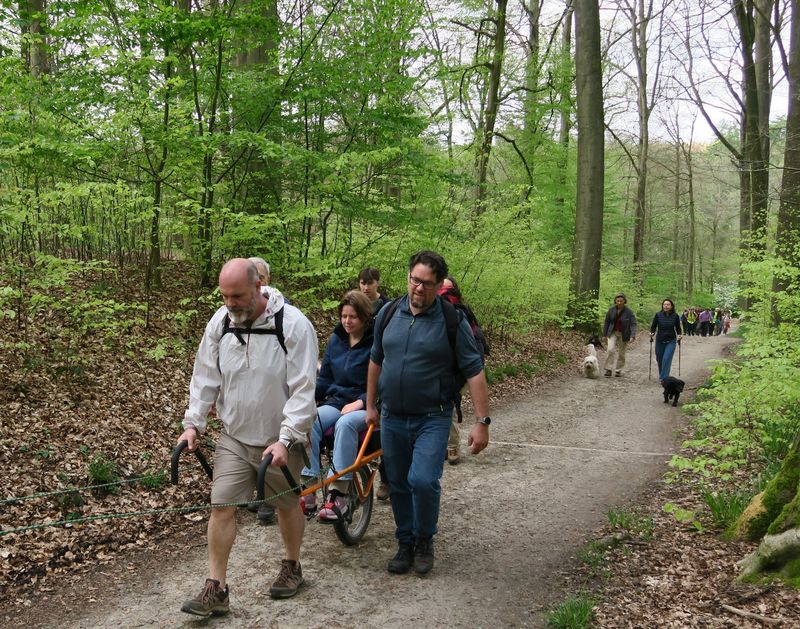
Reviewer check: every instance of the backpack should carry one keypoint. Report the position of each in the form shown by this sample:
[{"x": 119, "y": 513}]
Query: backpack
[
  {"x": 452, "y": 319},
  {"x": 237, "y": 332}
]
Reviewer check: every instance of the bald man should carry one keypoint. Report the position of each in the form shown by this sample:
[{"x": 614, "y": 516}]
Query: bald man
[{"x": 264, "y": 396}]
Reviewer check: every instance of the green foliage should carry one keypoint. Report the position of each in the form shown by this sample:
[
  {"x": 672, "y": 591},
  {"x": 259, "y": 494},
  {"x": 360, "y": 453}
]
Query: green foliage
[
  {"x": 725, "y": 507},
  {"x": 154, "y": 480},
  {"x": 594, "y": 556},
  {"x": 683, "y": 516},
  {"x": 103, "y": 471},
  {"x": 574, "y": 612},
  {"x": 630, "y": 521}
]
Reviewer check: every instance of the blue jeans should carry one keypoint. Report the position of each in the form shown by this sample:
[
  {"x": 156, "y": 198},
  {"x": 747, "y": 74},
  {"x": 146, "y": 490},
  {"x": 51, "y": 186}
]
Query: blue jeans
[
  {"x": 414, "y": 448},
  {"x": 345, "y": 440},
  {"x": 664, "y": 354},
  {"x": 326, "y": 417}
]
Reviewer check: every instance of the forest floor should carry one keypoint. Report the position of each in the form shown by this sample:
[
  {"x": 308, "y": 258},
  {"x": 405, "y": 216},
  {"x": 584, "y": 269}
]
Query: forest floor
[{"x": 514, "y": 527}]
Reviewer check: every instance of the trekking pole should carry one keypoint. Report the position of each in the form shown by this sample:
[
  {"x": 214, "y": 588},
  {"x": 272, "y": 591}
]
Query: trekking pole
[
  {"x": 650, "y": 367},
  {"x": 679, "y": 358}
]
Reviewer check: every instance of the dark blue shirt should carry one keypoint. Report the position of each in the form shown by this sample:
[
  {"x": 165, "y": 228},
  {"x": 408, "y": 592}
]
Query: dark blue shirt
[{"x": 417, "y": 368}]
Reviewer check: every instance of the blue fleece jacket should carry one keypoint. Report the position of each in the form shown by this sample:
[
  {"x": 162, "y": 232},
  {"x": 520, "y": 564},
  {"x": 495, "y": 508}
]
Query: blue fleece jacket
[
  {"x": 417, "y": 370},
  {"x": 343, "y": 374}
]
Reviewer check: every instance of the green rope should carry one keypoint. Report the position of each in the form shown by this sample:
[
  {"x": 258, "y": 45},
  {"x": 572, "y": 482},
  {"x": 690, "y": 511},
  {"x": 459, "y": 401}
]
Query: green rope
[
  {"x": 146, "y": 512},
  {"x": 59, "y": 492},
  {"x": 131, "y": 514}
]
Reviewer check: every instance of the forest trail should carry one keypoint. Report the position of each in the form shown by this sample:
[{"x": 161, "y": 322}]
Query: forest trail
[{"x": 512, "y": 521}]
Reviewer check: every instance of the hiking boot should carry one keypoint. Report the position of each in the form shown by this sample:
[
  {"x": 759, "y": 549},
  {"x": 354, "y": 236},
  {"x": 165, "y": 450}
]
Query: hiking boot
[
  {"x": 607, "y": 374},
  {"x": 211, "y": 600},
  {"x": 266, "y": 513},
  {"x": 453, "y": 456},
  {"x": 289, "y": 580},
  {"x": 402, "y": 561},
  {"x": 423, "y": 556},
  {"x": 383, "y": 491},
  {"x": 335, "y": 507},
  {"x": 618, "y": 374}
]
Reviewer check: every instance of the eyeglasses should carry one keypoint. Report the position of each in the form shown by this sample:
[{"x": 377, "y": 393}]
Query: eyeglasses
[{"x": 427, "y": 285}]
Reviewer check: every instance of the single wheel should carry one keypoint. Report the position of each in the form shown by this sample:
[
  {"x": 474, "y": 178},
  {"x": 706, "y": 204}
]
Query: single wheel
[{"x": 352, "y": 527}]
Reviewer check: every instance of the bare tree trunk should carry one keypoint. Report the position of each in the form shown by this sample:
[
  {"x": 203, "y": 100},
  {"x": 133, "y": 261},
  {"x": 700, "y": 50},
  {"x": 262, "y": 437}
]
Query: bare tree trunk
[
  {"x": 587, "y": 246},
  {"x": 788, "y": 233},
  {"x": 754, "y": 170},
  {"x": 492, "y": 104},
  {"x": 565, "y": 101},
  {"x": 690, "y": 254}
]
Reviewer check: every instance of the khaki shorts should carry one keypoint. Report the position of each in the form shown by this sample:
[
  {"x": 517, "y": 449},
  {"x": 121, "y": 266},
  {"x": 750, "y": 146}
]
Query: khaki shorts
[{"x": 236, "y": 468}]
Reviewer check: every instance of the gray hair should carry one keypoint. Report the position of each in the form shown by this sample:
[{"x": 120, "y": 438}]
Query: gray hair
[{"x": 262, "y": 262}]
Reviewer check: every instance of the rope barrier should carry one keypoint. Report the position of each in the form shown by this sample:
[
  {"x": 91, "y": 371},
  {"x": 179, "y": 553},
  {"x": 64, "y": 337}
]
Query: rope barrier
[
  {"x": 146, "y": 512},
  {"x": 129, "y": 514},
  {"x": 60, "y": 492}
]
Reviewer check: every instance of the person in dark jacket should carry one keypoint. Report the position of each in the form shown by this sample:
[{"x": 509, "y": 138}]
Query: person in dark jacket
[
  {"x": 369, "y": 283},
  {"x": 666, "y": 328},
  {"x": 341, "y": 398},
  {"x": 619, "y": 329}
]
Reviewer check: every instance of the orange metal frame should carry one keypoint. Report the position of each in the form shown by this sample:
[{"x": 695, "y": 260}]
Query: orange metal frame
[{"x": 361, "y": 460}]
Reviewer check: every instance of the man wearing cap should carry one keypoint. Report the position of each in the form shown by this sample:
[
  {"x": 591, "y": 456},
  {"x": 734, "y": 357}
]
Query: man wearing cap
[{"x": 620, "y": 329}]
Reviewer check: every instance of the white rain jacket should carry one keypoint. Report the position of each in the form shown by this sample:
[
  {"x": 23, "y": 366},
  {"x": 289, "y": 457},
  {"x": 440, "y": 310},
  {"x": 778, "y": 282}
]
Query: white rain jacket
[{"x": 261, "y": 393}]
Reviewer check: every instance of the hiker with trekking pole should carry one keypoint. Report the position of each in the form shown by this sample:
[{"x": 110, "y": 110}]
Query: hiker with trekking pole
[{"x": 666, "y": 331}]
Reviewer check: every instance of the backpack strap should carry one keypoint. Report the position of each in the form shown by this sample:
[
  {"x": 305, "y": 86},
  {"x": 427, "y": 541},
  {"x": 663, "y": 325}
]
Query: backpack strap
[
  {"x": 277, "y": 332},
  {"x": 452, "y": 318}
]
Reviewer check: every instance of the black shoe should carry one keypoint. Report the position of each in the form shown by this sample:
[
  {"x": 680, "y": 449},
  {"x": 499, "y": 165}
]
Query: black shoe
[
  {"x": 423, "y": 556},
  {"x": 402, "y": 561},
  {"x": 266, "y": 513}
]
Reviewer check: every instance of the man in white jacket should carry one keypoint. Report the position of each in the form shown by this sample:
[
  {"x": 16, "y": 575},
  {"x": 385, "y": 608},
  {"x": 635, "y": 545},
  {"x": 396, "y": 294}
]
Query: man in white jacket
[{"x": 263, "y": 388}]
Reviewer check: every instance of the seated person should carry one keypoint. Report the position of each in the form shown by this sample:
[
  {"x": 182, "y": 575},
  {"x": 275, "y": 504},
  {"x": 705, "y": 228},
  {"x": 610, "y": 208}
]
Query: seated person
[{"x": 341, "y": 398}]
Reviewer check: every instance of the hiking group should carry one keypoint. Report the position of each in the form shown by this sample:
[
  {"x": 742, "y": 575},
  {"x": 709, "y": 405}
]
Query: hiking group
[
  {"x": 398, "y": 365},
  {"x": 666, "y": 332}
]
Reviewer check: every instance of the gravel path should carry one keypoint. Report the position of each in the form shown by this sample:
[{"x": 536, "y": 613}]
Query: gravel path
[{"x": 512, "y": 521}]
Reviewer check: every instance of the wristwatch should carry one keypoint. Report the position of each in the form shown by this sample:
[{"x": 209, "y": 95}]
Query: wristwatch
[
  {"x": 286, "y": 441},
  {"x": 485, "y": 420}
]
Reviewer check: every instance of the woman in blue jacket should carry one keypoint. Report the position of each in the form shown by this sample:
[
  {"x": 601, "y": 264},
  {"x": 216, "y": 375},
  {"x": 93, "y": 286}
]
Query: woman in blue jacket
[
  {"x": 666, "y": 328},
  {"x": 341, "y": 398}
]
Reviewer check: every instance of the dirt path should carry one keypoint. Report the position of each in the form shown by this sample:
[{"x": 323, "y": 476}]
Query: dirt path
[{"x": 512, "y": 521}]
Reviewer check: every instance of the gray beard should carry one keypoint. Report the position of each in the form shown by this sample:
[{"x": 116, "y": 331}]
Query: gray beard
[{"x": 238, "y": 319}]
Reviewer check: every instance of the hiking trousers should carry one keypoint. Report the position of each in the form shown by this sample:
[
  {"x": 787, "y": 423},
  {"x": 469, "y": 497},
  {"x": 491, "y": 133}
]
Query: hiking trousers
[{"x": 616, "y": 352}]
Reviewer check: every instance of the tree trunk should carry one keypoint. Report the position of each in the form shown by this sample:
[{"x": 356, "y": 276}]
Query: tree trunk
[
  {"x": 34, "y": 48},
  {"x": 788, "y": 232},
  {"x": 565, "y": 103},
  {"x": 587, "y": 246},
  {"x": 754, "y": 170},
  {"x": 777, "y": 508},
  {"x": 687, "y": 156},
  {"x": 492, "y": 104}
]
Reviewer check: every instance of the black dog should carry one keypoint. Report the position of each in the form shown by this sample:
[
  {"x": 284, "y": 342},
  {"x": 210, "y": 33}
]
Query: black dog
[
  {"x": 673, "y": 387},
  {"x": 595, "y": 340}
]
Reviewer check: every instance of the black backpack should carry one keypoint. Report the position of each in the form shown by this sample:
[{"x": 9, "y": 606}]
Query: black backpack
[
  {"x": 237, "y": 332},
  {"x": 452, "y": 319}
]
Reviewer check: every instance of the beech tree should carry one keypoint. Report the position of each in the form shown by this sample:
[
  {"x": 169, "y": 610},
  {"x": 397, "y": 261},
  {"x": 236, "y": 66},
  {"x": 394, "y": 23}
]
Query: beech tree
[{"x": 587, "y": 246}]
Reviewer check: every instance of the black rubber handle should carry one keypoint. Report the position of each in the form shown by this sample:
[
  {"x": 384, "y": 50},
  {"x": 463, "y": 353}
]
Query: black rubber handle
[
  {"x": 262, "y": 474},
  {"x": 176, "y": 454}
]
